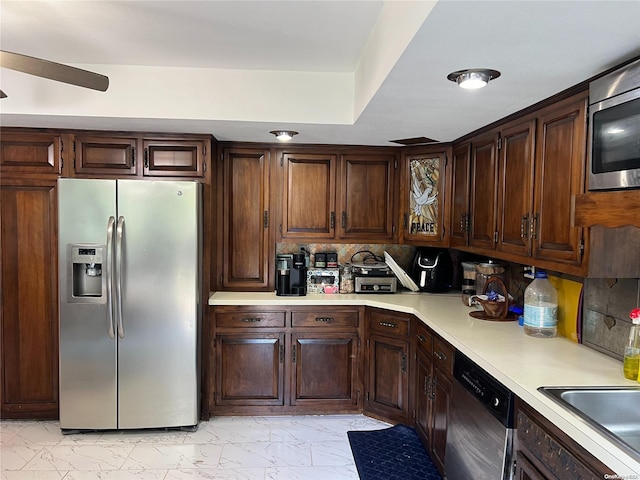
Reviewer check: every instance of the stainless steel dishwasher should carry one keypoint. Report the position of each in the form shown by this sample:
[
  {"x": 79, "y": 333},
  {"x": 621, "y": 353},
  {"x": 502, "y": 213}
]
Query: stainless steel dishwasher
[{"x": 481, "y": 426}]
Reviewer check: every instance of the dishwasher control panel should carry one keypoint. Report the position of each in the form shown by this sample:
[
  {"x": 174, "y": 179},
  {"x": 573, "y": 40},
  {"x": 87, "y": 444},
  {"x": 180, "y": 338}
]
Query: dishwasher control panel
[{"x": 490, "y": 392}]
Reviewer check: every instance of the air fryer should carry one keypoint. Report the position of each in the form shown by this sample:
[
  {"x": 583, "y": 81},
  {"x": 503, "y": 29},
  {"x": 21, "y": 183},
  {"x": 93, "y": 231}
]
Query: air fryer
[{"x": 432, "y": 270}]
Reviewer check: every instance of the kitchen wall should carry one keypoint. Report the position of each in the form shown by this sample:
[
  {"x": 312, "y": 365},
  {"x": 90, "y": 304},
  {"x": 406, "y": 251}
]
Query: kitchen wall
[
  {"x": 402, "y": 254},
  {"x": 607, "y": 304},
  {"x": 605, "y": 308}
]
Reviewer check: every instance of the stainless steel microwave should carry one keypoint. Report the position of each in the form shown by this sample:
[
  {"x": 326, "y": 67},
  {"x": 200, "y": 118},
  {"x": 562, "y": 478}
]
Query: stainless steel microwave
[{"x": 614, "y": 129}]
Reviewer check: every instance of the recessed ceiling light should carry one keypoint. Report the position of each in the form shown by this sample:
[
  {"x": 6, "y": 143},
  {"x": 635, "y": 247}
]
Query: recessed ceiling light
[
  {"x": 283, "y": 135},
  {"x": 473, "y": 78}
]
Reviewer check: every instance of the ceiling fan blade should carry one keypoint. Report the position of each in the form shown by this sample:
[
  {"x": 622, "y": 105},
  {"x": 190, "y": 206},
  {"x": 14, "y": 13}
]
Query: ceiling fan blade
[{"x": 53, "y": 71}]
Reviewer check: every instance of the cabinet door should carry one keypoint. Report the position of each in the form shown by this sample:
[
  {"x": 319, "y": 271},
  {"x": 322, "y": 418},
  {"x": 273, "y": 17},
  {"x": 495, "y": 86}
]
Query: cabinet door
[
  {"x": 30, "y": 153},
  {"x": 484, "y": 192},
  {"x": 102, "y": 155},
  {"x": 461, "y": 164},
  {"x": 309, "y": 196},
  {"x": 250, "y": 369},
  {"x": 526, "y": 471},
  {"x": 560, "y": 175},
  {"x": 424, "y": 198},
  {"x": 246, "y": 249},
  {"x": 324, "y": 369},
  {"x": 367, "y": 187},
  {"x": 174, "y": 157},
  {"x": 423, "y": 394},
  {"x": 29, "y": 319},
  {"x": 516, "y": 188},
  {"x": 441, "y": 396},
  {"x": 388, "y": 385}
]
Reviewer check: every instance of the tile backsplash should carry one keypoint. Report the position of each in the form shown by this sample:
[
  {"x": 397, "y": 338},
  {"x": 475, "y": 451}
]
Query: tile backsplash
[
  {"x": 402, "y": 254},
  {"x": 607, "y": 304}
]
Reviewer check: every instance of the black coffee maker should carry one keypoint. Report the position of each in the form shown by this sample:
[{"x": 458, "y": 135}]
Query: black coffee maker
[{"x": 291, "y": 275}]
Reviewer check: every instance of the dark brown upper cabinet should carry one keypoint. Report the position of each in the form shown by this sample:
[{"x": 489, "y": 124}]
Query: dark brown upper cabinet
[
  {"x": 460, "y": 178},
  {"x": 515, "y": 201},
  {"x": 174, "y": 157},
  {"x": 31, "y": 152},
  {"x": 309, "y": 196},
  {"x": 105, "y": 155},
  {"x": 423, "y": 194},
  {"x": 483, "y": 198},
  {"x": 523, "y": 178},
  {"x": 344, "y": 197},
  {"x": 246, "y": 249},
  {"x": 367, "y": 197}
]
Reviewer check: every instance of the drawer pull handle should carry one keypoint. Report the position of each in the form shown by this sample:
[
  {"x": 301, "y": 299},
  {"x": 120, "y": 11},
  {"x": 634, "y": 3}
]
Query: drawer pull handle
[
  {"x": 324, "y": 319},
  {"x": 388, "y": 324},
  {"x": 251, "y": 319},
  {"x": 422, "y": 338},
  {"x": 440, "y": 355}
]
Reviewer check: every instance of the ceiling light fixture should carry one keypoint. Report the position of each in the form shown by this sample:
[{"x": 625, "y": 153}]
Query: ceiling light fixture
[
  {"x": 284, "y": 135},
  {"x": 473, "y": 78}
]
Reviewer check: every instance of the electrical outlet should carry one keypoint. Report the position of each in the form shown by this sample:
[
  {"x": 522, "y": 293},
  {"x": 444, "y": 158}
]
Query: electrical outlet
[{"x": 529, "y": 272}]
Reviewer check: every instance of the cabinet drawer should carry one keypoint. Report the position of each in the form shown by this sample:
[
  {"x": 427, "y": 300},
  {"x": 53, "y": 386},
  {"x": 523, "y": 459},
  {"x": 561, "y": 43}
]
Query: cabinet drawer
[
  {"x": 347, "y": 318},
  {"x": 388, "y": 324},
  {"x": 244, "y": 319},
  {"x": 443, "y": 356},
  {"x": 424, "y": 339}
]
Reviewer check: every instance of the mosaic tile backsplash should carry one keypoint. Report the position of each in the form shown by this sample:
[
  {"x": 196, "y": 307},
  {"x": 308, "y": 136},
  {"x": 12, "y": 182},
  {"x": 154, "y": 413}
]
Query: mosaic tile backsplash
[{"x": 402, "y": 254}]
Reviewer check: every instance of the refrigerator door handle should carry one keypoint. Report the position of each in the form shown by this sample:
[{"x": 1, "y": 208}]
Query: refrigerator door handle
[
  {"x": 119, "y": 238},
  {"x": 109, "y": 275}
]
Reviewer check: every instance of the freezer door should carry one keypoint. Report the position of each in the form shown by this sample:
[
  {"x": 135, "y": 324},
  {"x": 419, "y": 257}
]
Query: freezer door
[
  {"x": 159, "y": 281},
  {"x": 87, "y": 342}
]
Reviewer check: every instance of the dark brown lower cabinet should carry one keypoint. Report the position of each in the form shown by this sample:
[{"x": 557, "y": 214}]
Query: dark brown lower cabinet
[
  {"x": 423, "y": 396},
  {"x": 387, "y": 365},
  {"x": 544, "y": 452},
  {"x": 388, "y": 387},
  {"x": 29, "y": 307},
  {"x": 526, "y": 470},
  {"x": 250, "y": 369},
  {"x": 441, "y": 398},
  {"x": 324, "y": 369},
  {"x": 434, "y": 369},
  {"x": 294, "y": 360}
]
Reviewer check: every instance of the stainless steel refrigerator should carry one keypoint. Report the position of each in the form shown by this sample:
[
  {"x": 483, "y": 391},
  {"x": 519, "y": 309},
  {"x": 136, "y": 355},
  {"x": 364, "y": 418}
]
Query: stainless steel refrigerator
[{"x": 129, "y": 266}]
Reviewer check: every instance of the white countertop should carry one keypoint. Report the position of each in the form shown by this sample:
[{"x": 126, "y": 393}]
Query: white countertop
[{"x": 520, "y": 362}]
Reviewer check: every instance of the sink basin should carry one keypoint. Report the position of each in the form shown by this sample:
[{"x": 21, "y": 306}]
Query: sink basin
[{"x": 613, "y": 410}]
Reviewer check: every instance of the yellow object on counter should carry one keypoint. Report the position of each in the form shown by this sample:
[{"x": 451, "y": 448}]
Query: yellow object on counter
[{"x": 568, "y": 304}]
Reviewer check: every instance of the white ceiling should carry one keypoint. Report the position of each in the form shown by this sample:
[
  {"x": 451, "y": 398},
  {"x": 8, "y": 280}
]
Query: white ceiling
[{"x": 353, "y": 72}]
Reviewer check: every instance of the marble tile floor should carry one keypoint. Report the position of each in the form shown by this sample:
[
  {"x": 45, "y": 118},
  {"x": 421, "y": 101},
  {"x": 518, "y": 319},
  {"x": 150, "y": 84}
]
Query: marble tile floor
[{"x": 229, "y": 448}]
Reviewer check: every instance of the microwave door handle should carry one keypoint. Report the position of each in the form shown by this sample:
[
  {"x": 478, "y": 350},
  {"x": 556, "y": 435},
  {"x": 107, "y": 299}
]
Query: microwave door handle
[
  {"x": 119, "y": 263},
  {"x": 109, "y": 277}
]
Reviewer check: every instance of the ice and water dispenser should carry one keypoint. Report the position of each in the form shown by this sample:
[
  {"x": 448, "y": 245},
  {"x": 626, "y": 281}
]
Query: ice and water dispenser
[{"x": 86, "y": 283}]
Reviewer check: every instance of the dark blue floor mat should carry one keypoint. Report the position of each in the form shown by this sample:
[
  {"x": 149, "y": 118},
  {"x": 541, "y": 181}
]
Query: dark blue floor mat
[{"x": 394, "y": 453}]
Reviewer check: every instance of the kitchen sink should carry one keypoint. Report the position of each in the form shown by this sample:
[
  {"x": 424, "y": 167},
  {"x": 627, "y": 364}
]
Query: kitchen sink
[{"x": 612, "y": 410}]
